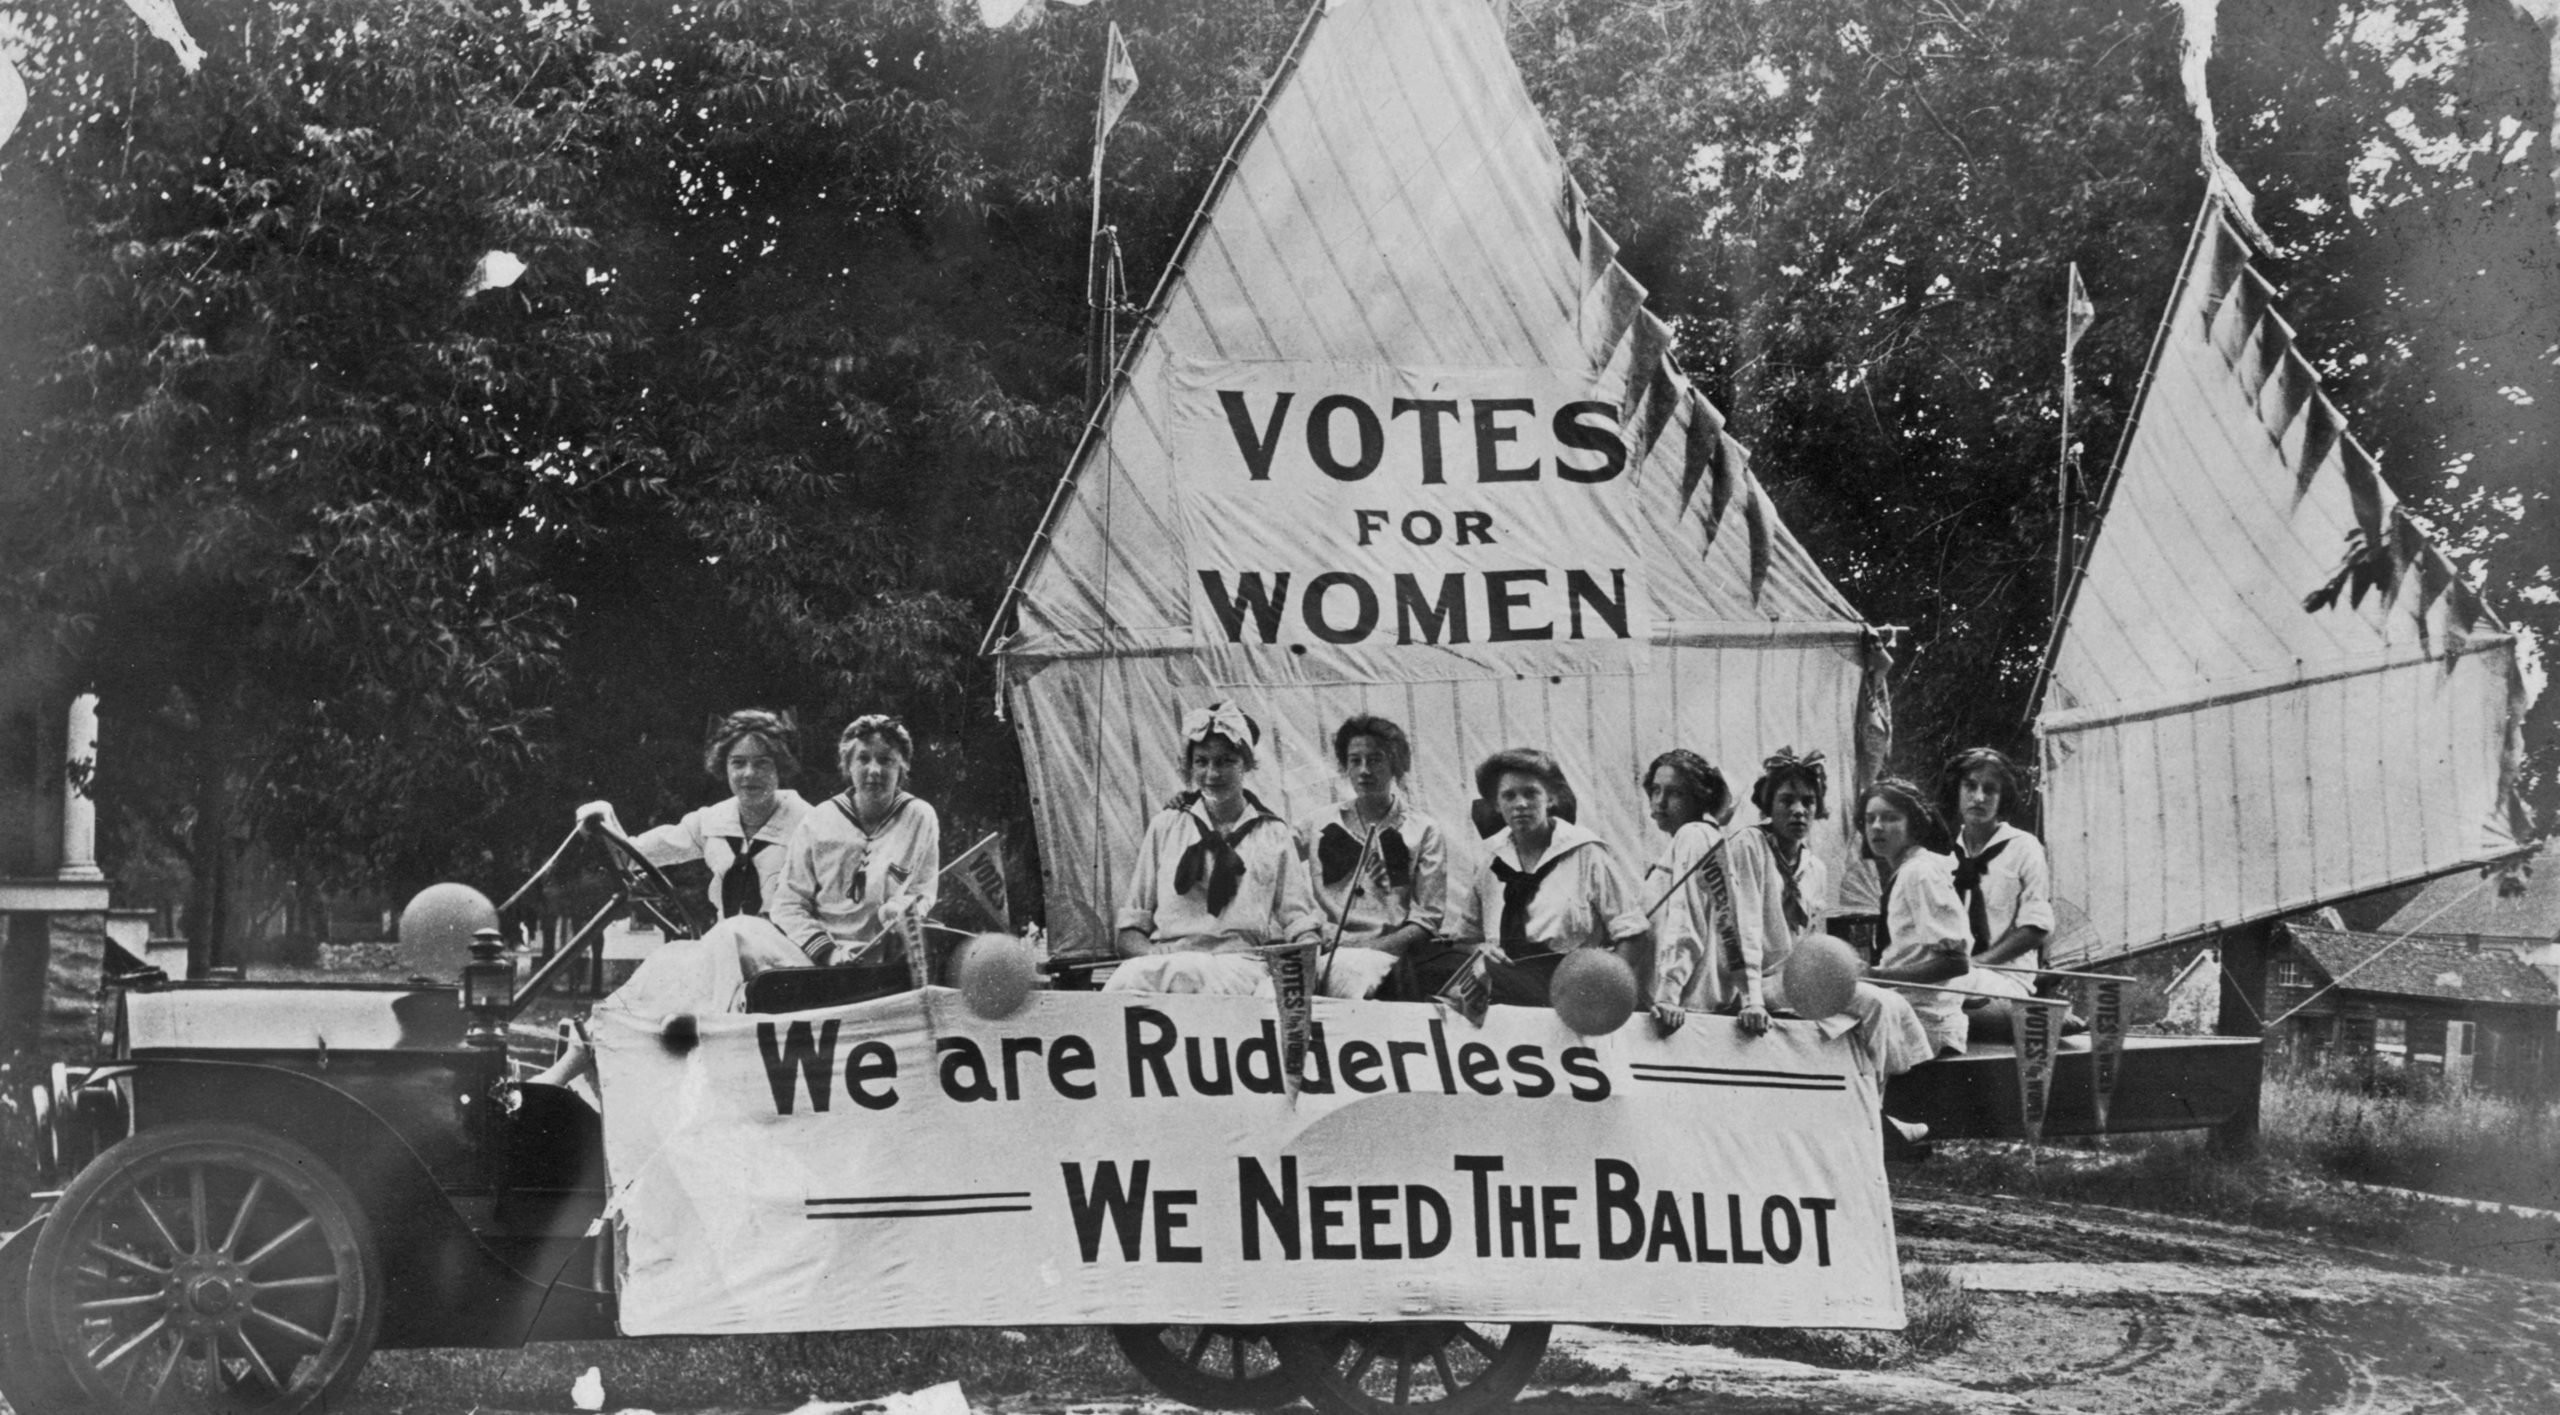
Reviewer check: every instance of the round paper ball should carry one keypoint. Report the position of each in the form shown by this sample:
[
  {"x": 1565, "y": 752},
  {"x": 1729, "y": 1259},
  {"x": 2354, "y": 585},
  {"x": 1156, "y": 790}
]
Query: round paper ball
[
  {"x": 996, "y": 973},
  {"x": 437, "y": 925},
  {"x": 1594, "y": 991},
  {"x": 1822, "y": 975}
]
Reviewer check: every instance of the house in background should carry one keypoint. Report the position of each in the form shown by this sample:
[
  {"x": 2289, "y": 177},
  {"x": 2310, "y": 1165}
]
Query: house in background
[
  {"x": 2479, "y": 1013},
  {"x": 2471, "y": 906}
]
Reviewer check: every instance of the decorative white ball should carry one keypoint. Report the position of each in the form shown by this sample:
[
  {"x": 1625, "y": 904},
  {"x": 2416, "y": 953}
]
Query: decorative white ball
[
  {"x": 996, "y": 973},
  {"x": 1594, "y": 991},
  {"x": 437, "y": 925},
  {"x": 1822, "y": 975}
]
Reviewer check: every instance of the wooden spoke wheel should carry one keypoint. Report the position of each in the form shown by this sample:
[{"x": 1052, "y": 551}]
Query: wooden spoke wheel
[
  {"x": 27, "y": 1381},
  {"x": 1444, "y": 1368},
  {"x": 206, "y": 1268},
  {"x": 1214, "y": 1368}
]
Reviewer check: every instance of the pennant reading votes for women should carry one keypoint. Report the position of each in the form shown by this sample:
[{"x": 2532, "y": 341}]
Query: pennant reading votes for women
[
  {"x": 1091, "y": 1159},
  {"x": 1362, "y": 510}
]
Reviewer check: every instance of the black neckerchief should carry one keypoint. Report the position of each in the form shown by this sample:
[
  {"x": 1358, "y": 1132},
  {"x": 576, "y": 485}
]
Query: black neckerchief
[
  {"x": 1337, "y": 850},
  {"x": 1214, "y": 857},
  {"x": 1519, "y": 887},
  {"x": 1969, "y": 872}
]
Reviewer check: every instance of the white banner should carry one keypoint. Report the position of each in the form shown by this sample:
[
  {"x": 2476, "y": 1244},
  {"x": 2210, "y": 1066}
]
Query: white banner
[
  {"x": 1357, "y": 509},
  {"x": 1097, "y": 1158}
]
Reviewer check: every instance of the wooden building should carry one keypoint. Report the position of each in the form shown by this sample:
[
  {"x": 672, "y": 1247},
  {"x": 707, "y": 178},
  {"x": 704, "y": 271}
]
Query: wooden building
[{"x": 2429, "y": 1000}]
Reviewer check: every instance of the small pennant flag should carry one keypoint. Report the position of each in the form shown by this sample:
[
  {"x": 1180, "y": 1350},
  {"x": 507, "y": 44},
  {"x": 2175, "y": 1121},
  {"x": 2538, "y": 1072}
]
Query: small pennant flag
[
  {"x": 496, "y": 271},
  {"x": 1119, "y": 82},
  {"x": 2078, "y": 314},
  {"x": 161, "y": 18},
  {"x": 979, "y": 873}
]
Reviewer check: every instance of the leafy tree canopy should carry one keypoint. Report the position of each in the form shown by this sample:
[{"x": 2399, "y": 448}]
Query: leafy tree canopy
[{"x": 382, "y": 575}]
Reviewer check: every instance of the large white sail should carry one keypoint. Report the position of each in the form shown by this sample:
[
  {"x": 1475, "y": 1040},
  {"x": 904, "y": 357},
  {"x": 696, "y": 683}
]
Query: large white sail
[
  {"x": 2269, "y": 688},
  {"x": 1399, "y": 436}
]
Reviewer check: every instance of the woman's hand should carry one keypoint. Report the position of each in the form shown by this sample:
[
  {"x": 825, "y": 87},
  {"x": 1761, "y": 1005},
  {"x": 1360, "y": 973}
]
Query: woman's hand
[
  {"x": 1669, "y": 1018},
  {"x": 1755, "y": 1019},
  {"x": 1134, "y": 943},
  {"x": 763, "y": 949}
]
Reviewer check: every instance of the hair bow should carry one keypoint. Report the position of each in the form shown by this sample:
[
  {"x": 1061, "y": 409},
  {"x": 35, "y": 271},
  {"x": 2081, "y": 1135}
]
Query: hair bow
[
  {"x": 1223, "y": 719},
  {"x": 1785, "y": 759}
]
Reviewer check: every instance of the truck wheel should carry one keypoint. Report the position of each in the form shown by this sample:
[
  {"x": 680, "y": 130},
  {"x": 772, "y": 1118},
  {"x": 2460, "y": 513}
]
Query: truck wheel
[
  {"x": 1443, "y": 1368},
  {"x": 206, "y": 1268},
  {"x": 1214, "y": 1368}
]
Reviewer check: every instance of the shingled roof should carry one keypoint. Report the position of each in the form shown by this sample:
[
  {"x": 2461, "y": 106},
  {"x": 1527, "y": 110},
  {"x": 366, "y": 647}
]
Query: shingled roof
[
  {"x": 2423, "y": 965},
  {"x": 2470, "y": 903}
]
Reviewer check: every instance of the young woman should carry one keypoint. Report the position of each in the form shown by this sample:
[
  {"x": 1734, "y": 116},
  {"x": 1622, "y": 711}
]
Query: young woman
[
  {"x": 861, "y": 862},
  {"x": 1397, "y": 899},
  {"x": 740, "y": 838},
  {"x": 1217, "y": 875},
  {"x": 1928, "y": 940},
  {"x": 2000, "y": 874},
  {"x": 1720, "y": 926},
  {"x": 1550, "y": 887},
  {"x": 849, "y": 871}
]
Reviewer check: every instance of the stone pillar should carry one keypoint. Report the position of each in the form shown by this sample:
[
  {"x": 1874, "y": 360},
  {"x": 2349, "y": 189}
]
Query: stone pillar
[{"x": 79, "y": 799}]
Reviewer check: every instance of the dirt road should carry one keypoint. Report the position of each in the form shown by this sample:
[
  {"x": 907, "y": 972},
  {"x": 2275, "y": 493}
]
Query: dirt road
[
  {"x": 2118, "y": 1313},
  {"x": 2082, "y": 1309}
]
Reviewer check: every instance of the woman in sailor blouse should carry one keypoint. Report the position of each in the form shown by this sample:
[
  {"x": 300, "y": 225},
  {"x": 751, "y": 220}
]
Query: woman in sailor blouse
[
  {"x": 1549, "y": 888},
  {"x": 1927, "y": 936},
  {"x": 1720, "y": 926},
  {"x": 1217, "y": 874},
  {"x": 1396, "y": 900},
  {"x": 741, "y": 837},
  {"x": 862, "y": 862}
]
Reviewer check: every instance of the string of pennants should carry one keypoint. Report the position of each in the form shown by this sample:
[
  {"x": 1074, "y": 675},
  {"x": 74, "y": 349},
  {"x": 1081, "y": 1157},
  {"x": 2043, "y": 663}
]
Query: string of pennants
[
  {"x": 2386, "y": 550},
  {"x": 1612, "y": 316}
]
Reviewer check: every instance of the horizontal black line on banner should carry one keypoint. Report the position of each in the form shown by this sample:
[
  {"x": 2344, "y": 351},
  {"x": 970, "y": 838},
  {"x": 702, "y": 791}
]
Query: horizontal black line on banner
[
  {"x": 1736, "y": 1071},
  {"x": 924, "y": 1213},
  {"x": 1747, "y": 1085},
  {"x": 923, "y": 1198}
]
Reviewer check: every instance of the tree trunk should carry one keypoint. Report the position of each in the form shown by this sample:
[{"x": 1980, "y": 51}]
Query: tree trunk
[{"x": 208, "y": 918}]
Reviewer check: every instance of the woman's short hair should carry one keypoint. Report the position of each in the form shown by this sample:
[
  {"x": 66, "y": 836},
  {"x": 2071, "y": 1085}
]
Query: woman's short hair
[
  {"x": 1783, "y": 766},
  {"x": 1706, "y": 784},
  {"x": 880, "y": 725},
  {"x": 1928, "y": 830},
  {"x": 2005, "y": 774},
  {"x": 1389, "y": 737},
  {"x": 775, "y": 728},
  {"x": 1521, "y": 761}
]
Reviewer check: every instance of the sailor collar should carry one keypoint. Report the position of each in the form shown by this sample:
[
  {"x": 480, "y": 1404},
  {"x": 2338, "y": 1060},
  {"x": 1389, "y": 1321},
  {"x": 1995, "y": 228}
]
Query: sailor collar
[{"x": 1568, "y": 837}]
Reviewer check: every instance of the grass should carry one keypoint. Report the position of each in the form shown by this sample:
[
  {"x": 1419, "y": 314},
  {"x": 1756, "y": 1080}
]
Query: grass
[{"x": 2321, "y": 1134}]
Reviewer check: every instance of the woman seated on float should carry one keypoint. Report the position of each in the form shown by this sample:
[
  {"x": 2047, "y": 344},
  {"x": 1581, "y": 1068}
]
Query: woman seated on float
[
  {"x": 856, "y": 865},
  {"x": 740, "y": 837},
  {"x": 1927, "y": 938},
  {"x": 1380, "y": 868},
  {"x": 1217, "y": 876},
  {"x": 1790, "y": 795},
  {"x": 742, "y": 840},
  {"x": 1549, "y": 888},
  {"x": 1720, "y": 927},
  {"x": 861, "y": 865}
]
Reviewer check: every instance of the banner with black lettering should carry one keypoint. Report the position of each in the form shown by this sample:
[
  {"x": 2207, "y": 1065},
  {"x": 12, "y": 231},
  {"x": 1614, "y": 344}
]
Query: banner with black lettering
[
  {"x": 1098, "y": 1158},
  {"x": 1383, "y": 518}
]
